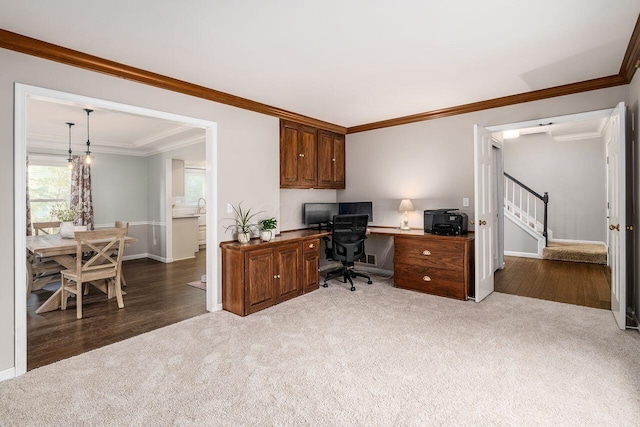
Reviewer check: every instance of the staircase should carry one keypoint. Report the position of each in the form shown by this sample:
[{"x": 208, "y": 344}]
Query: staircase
[{"x": 527, "y": 209}]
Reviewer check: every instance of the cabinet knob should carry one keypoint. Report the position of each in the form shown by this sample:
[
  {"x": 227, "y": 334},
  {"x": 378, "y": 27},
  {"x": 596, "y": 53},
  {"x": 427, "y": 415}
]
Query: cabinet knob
[
  {"x": 426, "y": 278},
  {"x": 275, "y": 276},
  {"x": 311, "y": 246},
  {"x": 426, "y": 252},
  {"x": 278, "y": 276},
  {"x": 333, "y": 160},
  {"x": 301, "y": 155}
]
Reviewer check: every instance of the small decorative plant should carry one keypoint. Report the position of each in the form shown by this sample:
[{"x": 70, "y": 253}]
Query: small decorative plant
[
  {"x": 65, "y": 213},
  {"x": 267, "y": 226},
  {"x": 243, "y": 224}
]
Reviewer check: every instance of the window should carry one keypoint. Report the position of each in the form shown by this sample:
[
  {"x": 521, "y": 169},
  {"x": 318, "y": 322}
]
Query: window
[
  {"x": 49, "y": 184},
  {"x": 194, "y": 185}
]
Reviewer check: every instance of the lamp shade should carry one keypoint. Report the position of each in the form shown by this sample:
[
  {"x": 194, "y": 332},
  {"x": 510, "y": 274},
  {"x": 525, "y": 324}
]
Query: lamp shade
[{"x": 406, "y": 205}]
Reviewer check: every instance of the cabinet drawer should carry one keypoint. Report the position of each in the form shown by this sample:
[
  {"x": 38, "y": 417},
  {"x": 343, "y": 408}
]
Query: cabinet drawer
[
  {"x": 309, "y": 246},
  {"x": 446, "y": 283},
  {"x": 429, "y": 253}
]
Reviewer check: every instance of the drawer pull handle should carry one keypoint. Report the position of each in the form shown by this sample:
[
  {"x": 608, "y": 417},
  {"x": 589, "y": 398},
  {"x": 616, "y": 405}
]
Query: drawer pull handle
[
  {"x": 426, "y": 278},
  {"x": 311, "y": 246},
  {"x": 426, "y": 252}
]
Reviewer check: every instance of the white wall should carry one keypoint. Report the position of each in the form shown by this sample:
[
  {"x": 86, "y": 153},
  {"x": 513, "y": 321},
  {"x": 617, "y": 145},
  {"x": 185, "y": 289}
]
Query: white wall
[
  {"x": 248, "y": 146},
  {"x": 431, "y": 162},
  {"x": 574, "y": 175},
  {"x": 518, "y": 240}
]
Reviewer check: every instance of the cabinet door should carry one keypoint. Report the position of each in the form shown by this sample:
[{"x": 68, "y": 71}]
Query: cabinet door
[
  {"x": 325, "y": 156},
  {"x": 308, "y": 157},
  {"x": 310, "y": 274},
  {"x": 338, "y": 161},
  {"x": 289, "y": 153},
  {"x": 259, "y": 279},
  {"x": 330, "y": 160},
  {"x": 287, "y": 283}
]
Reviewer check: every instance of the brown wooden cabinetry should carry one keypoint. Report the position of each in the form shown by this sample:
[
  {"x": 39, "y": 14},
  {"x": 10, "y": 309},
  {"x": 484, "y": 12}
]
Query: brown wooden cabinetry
[
  {"x": 440, "y": 265},
  {"x": 310, "y": 158},
  {"x": 258, "y": 275}
]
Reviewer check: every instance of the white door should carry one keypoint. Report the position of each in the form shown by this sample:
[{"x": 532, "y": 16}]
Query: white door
[
  {"x": 616, "y": 194},
  {"x": 484, "y": 213}
]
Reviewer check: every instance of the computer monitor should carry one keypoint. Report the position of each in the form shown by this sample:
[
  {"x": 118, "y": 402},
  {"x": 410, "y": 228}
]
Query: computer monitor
[
  {"x": 346, "y": 208},
  {"x": 319, "y": 213}
]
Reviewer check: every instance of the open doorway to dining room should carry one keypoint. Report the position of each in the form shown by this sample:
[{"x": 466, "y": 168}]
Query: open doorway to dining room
[{"x": 150, "y": 171}]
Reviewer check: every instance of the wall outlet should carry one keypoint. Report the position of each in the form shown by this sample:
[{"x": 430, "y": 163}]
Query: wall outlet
[
  {"x": 465, "y": 202},
  {"x": 229, "y": 208}
]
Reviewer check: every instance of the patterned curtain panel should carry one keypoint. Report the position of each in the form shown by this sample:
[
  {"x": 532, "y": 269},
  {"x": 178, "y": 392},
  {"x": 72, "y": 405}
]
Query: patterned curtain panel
[
  {"x": 81, "y": 191},
  {"x": 28, "y": 202}
]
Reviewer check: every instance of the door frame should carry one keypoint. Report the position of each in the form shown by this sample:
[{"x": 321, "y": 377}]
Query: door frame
[{"x": 22, "y": 92}]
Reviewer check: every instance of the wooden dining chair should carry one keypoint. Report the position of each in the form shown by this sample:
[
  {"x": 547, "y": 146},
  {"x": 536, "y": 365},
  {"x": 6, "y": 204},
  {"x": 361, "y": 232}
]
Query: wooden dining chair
[
  {"x": 42, "y": 271},
  {"x": 45, "y": 227},
  {"x": 101, "y": 270}
]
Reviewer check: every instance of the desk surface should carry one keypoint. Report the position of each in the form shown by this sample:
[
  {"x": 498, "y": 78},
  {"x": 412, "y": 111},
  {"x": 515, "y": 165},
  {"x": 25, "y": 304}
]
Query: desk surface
[{"x": 298, "y": 235}]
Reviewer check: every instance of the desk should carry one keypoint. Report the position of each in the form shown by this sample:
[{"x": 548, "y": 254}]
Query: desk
[
  {"x": 259, "y": 274},
  {"x": 61, "y": 251}
]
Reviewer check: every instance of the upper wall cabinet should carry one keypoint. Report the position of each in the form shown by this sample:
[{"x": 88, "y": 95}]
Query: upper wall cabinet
[{"x": 310, "y": 158}]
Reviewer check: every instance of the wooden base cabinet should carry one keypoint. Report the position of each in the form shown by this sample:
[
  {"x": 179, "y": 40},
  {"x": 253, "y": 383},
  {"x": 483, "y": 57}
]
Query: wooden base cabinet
[
  {"x": 439, "y": 265},
  {"x": 259, "y": 275}
]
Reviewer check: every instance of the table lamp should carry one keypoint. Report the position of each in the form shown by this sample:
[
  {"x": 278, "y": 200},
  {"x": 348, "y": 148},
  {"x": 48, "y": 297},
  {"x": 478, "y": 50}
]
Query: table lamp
[{"x": 406, "y": 206}]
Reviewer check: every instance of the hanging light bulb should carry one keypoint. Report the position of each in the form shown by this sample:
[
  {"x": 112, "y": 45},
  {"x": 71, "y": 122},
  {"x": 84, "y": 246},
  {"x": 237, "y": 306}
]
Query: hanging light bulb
[
  {"x": 70, "y": 159},
  {"x": 87, "y": 154}
]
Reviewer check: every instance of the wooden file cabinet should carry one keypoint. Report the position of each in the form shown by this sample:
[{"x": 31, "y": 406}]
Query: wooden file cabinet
[
  {"x": 258, "y": 275},
  {"x": 439, "y": 265}
]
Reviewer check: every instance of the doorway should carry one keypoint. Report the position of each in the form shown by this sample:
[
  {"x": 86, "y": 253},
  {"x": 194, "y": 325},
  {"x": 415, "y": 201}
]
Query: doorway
[
  {"x": 615, "y": 118},
  {"x": 24, "y": 93}
]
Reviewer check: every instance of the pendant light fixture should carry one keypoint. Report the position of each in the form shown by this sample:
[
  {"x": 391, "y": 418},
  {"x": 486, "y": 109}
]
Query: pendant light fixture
[
  {"x": 87, "y": 155},
  {"x": 70, "y": 159}
]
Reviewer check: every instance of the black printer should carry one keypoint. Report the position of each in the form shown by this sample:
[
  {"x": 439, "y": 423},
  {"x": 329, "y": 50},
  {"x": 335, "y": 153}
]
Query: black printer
[{"x": 445, "y": 221}]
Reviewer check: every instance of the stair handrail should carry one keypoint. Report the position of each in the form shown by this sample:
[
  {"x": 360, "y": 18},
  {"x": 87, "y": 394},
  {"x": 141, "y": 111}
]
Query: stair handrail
[{"x": 544, "y": 198}]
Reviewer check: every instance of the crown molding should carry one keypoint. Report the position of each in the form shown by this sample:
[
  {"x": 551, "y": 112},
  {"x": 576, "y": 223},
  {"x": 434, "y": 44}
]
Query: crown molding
[
  {"x": 631, "y": 59},
  {"x": 160, "y": 136},
  {"x": 536, "y": 95},
  {"x": 41, "y": 49}
]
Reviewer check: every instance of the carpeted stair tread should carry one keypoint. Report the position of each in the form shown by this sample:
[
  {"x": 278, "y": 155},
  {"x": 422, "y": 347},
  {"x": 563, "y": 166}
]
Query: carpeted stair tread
[{"x": 593, "y": 253}]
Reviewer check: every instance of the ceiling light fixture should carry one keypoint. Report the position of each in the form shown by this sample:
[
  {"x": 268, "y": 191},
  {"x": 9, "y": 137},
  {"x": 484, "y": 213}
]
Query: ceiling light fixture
[
  {"x": 70, "y": 159},
  {"x": 88, "y": 158},
  {"x": 510, "y": 134}
]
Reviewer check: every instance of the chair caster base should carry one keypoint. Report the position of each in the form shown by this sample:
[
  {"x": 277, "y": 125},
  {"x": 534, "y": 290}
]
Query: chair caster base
[
  {"x": 325, "y": 285},
  {"x": 369, "y": 282},
  {"x": 353, "y": 288}
]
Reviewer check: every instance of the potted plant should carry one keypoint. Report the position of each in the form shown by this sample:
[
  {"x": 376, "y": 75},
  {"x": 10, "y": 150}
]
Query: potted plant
[
  {"x": 242, "y": 223},
  {"x": 266, "y": 228},
  {"x": 66, "y": 214}
]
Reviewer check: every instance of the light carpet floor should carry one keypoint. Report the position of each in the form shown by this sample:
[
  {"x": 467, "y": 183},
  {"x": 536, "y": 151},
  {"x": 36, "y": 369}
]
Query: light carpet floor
[
  {"x": 593, "y": 253},
  {"x": 379, "y": 356}
]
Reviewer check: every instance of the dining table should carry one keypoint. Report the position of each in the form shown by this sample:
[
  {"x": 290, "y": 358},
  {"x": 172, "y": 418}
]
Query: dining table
[{"x": 62, "y": 251}]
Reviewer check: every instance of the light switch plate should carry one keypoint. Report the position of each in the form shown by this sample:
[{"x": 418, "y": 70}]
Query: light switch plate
[
  {"x": 229, "y": 208},
  {"x": 465, "y": 202}
]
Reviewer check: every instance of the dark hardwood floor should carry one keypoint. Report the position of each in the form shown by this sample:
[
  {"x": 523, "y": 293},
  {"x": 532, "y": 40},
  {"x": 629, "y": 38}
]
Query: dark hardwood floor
[
  {"x": 567, "y": 282},
  {"x": 157, "y": 296}
]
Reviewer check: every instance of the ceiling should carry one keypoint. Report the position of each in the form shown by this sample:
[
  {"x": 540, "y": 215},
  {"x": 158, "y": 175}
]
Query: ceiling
[
  {"x": 110, "y": 131},
  {"x": 346, "y": 62}
]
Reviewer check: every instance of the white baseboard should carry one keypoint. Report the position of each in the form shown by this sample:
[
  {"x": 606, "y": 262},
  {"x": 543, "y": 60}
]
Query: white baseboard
[
  {"x": 180, "y": 259},
  {"x": 159, "y": 258},
  {"x": 7, "y": 374},
  {"x": 134, "y": 256},
  {"x": 217, "y": 308},
  {"x": 131, "y": 224},
  {"x": 522, "y": 254},
  {"x": 578, "y": 242}
]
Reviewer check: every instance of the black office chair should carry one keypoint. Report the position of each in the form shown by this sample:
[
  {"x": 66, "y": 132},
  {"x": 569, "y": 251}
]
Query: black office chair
[{"x": 348, "y": 235}]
